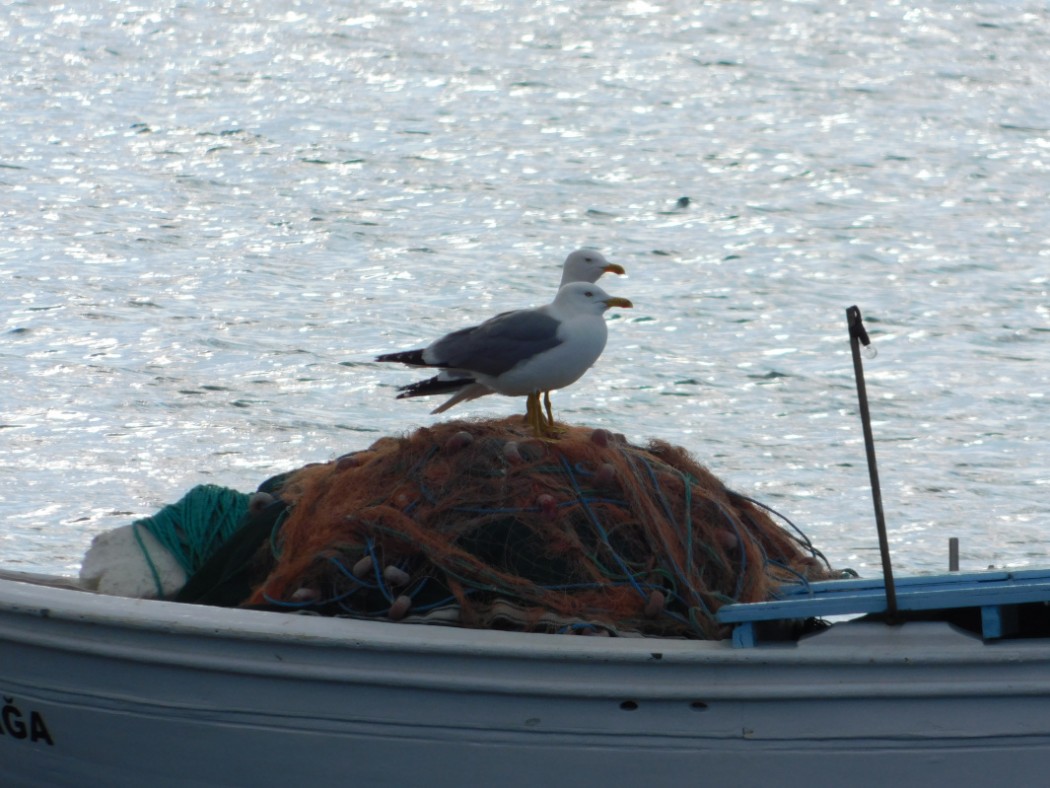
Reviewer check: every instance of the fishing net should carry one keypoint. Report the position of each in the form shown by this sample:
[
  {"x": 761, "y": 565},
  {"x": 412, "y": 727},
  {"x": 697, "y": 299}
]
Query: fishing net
[{"x": 480, "y": 525}]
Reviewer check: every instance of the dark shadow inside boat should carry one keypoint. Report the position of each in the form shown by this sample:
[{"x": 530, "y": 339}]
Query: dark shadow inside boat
[{"x": 1027, "y": 620}]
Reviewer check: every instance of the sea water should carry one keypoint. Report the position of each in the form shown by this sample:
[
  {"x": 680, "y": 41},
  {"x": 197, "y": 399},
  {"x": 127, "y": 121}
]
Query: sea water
[{"x": 215, "y": 214}]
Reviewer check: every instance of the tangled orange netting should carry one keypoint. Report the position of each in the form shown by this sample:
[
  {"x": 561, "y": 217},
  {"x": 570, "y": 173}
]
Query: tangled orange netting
[{"x": 505, "y": 530}]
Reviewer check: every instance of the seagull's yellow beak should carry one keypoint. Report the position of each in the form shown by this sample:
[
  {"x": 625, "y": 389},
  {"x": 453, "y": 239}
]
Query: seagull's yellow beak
[
  {"x": 613, "y": 268},
  {"x": 621, "y": 302}
]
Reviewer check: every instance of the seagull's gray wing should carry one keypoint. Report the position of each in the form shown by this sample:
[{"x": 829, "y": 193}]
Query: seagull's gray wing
[{"x": 498, "y": 344}]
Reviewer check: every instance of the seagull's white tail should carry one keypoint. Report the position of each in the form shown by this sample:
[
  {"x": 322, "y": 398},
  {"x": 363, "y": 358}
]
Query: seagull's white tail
[{"x": 473, "y": 391}]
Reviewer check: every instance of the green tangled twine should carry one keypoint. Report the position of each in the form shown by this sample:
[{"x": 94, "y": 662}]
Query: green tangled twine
[{"x": 195, "y": 527}]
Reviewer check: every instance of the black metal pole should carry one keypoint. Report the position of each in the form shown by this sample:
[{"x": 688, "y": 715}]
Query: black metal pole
[{"x": 857, "y": 336}]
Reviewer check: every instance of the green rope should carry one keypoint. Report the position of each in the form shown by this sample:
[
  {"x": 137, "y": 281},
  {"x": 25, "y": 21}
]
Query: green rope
[
  {"x": 196, "y": 526},
  {"x": 149, "y": 560}
]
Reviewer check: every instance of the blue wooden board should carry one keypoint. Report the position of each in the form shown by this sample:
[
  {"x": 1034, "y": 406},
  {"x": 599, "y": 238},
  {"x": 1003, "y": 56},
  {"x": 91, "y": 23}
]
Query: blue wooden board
[{"x": 992, "y": 592}]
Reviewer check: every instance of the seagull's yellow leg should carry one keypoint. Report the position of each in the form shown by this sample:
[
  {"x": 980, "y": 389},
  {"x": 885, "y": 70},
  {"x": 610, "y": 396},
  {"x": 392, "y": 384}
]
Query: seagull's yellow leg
[
  {"x": 547, "y": 405},
  {"x": 532, "y": 406},
  {"x": 542, "y": 426},
  {"x": 528, "y": 410}
]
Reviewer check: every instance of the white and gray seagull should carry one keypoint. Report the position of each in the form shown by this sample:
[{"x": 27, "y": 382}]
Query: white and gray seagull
[
  {"x": 586, "y": 265},
  {"x": 582, "y": 265},
  {"x": 520, "y": 353}
]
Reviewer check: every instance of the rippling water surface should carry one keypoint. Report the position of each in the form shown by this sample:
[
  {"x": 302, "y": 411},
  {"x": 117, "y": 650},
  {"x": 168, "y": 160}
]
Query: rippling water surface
[{"x": 215, "y": 214}]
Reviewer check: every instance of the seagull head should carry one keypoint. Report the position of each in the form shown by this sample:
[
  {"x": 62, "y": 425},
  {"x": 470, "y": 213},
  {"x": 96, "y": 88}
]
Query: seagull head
[
  {"x": 587, "y": 265},
  {"x": 584, "y": 297}
]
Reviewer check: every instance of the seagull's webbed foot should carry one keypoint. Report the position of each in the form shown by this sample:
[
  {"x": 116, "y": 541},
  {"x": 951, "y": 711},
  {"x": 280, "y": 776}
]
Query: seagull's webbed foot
[{"x": 543, "y": 426}]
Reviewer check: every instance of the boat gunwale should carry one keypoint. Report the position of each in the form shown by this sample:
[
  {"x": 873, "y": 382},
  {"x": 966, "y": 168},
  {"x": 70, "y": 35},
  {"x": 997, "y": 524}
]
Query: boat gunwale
[{"x": 235, "y": 624}]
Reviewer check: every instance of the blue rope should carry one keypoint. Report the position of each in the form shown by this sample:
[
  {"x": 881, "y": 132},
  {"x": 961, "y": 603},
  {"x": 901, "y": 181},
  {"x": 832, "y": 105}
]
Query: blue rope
[
  {"x": 687, "y": 526},
  {"x": 276, "y": 545},
  {"x": 813, "y": 551},
  {"x": 412, "y": 474},
  {"x": 743, "y": 552},
  {"x": 628, "y": 573},
  {"x": 803, "y": 581},
  {"x": 196, "y": 526},
  {"x": 377, "y": 570}
]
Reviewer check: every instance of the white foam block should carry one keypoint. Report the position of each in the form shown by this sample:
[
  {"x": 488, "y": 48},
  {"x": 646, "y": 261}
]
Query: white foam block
[{"x": 115, "y": 564}]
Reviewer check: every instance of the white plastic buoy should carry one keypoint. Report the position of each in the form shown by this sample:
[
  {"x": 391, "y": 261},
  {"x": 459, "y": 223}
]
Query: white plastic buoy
[
  {"x": 303, "y": 594},
  {"x": 399, "y": 608},
  {"x": 396, "y": 576},
  {"x": 363, "y": 568}
]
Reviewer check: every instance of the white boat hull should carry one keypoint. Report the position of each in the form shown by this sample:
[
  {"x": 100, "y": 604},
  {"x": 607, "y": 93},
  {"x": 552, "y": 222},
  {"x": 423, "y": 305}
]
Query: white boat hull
[{"x": 120, "y": 692}]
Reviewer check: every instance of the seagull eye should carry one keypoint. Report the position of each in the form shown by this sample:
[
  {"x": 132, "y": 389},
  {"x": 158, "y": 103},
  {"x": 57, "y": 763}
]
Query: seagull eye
[{"x": 589, "y": 294}]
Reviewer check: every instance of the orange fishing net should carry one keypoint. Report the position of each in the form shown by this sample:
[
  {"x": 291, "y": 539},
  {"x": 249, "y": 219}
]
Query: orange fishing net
[{"x": 479, "y": 518}]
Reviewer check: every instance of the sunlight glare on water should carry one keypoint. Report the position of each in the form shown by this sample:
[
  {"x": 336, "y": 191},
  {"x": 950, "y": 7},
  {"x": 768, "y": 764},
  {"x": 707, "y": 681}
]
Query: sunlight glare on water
[{"x": 216, "y": 214}]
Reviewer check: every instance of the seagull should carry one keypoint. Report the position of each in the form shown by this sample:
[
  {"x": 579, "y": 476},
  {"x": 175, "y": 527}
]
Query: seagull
[
  {"x": 586, "y": 265},
  {"x": 582, "y": 265},
  {"x": 519, "y": 353}
]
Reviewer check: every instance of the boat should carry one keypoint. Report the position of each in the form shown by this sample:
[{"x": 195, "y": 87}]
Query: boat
[
  {"x": 112, "y": 691},
  {"x": 925, "y": 680}
]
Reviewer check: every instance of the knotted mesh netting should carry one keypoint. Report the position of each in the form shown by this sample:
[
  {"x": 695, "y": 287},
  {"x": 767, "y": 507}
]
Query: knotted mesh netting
[{"x": 503, "y": 530}]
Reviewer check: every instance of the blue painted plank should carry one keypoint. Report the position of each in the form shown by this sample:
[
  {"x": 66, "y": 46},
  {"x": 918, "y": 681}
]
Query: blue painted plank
[
  {"x": 838, "y": 586},
  {"x": 932, "y": 594},
  {"x": 992, "y": 622},
  {"x": 802, "y": 608},
  {"x": 875, "y": 602},
  {"x": 1022, "y": 575},
  {"x": 744, "y": 635},
  {"x": 998, "y": 622},
  {"x": 991, "y": 595}
]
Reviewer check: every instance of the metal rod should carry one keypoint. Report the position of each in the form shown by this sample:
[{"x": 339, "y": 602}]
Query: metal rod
[
  {"x": 858, "y": 335},
  {"x": 953, "y": 554}
]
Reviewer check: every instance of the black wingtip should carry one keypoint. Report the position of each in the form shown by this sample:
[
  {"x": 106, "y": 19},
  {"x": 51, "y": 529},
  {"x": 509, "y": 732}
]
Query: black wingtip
[
  {"x": 434, "y": 385},
  {"x": 411, "y": 357}
]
